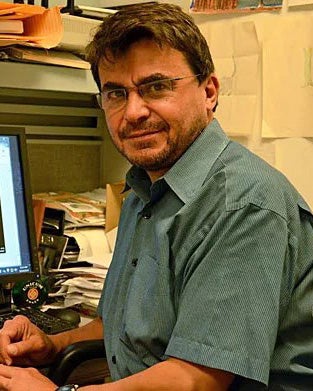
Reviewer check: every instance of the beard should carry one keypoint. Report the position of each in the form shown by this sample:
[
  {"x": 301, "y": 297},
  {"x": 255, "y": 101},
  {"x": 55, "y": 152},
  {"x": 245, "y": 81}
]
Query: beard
[{"x": 174, "y": 147}]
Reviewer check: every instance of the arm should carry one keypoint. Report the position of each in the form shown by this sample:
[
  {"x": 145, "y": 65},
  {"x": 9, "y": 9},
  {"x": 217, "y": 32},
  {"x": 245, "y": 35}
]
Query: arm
[
  {"x": 172, "y": 375},
  {"x": 92, "y": 330},
  {"x": 22, "y": 343}
]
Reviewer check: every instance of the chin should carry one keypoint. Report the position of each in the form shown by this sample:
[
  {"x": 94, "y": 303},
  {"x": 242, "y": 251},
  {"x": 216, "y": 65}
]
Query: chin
[
  {"x": 145, "y": 156},
  {"x": 155, "y": 162},
  {"x": 151, "y": 162}
]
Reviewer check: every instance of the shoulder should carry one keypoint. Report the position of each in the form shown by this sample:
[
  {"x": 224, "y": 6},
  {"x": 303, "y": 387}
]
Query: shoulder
[{"x": 248, "y": 179}]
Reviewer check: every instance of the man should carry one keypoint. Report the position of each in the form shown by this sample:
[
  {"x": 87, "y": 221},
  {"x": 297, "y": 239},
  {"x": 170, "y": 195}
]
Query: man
[{"x": 210, "y": 286}]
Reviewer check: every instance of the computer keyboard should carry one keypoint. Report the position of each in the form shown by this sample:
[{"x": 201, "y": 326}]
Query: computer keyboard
[{"x": 46, "y": 322}]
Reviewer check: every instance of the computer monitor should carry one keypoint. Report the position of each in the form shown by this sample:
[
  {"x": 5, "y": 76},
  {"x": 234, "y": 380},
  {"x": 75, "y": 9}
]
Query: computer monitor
[{"x": 18, "y": 250}]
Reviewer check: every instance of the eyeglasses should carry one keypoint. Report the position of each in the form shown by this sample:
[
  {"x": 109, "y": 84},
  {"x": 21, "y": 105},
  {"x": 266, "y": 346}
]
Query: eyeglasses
[{"x": 151, "y": 91}]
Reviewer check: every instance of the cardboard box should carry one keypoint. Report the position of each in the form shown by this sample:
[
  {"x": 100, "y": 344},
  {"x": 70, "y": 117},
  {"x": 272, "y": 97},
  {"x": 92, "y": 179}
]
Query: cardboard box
[{"x": 114, "y": 200}]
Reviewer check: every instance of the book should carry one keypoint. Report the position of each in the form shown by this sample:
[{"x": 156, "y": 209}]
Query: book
[
  {"x": 51, "y": 57},
  {"x": 11, "y": 27}
]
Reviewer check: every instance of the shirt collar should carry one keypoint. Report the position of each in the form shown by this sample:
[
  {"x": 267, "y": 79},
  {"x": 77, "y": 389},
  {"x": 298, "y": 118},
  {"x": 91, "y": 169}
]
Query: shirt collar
[{"x": 189, "y": 172}]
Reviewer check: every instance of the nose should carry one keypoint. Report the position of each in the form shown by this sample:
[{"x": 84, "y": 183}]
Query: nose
[{"x": 135, "y": 107}]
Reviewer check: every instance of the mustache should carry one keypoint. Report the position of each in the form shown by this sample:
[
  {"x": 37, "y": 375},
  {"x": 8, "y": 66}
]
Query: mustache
[{"x": 143, "y": 127}]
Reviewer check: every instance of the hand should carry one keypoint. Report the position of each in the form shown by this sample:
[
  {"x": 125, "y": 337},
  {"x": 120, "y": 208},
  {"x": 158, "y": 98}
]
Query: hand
[
  {"x": 22, "y": 343},
  {"x": 26, "y": 379}
]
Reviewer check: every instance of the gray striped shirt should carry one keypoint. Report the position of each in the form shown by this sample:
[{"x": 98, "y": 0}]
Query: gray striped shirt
[{"x": 213, "y": 265}]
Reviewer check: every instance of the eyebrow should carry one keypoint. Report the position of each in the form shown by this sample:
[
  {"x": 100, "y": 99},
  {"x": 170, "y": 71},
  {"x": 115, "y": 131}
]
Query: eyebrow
[
  {"x": 108, "y": 86},
  {"x": 111, "y": 86},
  {"x": 153, "y": 77}
]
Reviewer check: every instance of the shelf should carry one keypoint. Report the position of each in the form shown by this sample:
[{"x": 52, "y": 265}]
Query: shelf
[{"x": 46, "y": 78}]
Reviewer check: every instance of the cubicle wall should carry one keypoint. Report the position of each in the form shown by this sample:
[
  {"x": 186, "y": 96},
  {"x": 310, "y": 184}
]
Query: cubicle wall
[{"x": 69, "y": 148}]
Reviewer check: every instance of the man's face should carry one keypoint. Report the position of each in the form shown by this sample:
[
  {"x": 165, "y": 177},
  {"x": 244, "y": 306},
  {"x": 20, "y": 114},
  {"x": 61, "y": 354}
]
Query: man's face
[{"x": 153, "y": 134}]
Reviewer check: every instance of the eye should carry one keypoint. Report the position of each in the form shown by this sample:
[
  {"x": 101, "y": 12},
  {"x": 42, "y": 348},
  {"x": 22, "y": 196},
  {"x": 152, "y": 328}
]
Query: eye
[
  {"x": 157, "y": 88},
  {"x": 116, "y": 94},
  {"x": 161, "y": 85}
]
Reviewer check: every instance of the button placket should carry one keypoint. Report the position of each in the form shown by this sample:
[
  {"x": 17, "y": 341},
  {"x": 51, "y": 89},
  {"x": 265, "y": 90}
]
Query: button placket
[
  {"x": 134, "y": 262},
  {"x": 146, "y": 214}
]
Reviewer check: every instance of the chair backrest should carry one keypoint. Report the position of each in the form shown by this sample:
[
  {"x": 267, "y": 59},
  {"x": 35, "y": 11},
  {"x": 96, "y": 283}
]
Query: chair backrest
[{"x": 77, "y": 355}]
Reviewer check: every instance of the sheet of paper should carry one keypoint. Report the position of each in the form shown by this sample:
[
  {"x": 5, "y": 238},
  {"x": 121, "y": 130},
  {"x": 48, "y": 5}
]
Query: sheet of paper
[
  {"x": 294, "y": 157},
  {"x": 19, "y": 11},
  {"x": 103, "y": 262},
  {"x": 83, "y": 271},
  {"x": 288, "y": 76},
  {"x": 75, "y": 299},
  {"x": 298, "y": 2},
  {"x": 93, "y": 245},
  {"x": 92, "y": 293},
  {"x": 237, "y": 114},
  {"x": 84, "y": 283},
  {"x": 236, "y": 53}
]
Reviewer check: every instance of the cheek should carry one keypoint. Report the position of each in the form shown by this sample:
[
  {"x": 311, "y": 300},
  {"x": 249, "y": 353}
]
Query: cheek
[
  {"x": 113, "y": 124},
  {"x": 168, "y": 107},
  {"x": 184, "y": 107}
]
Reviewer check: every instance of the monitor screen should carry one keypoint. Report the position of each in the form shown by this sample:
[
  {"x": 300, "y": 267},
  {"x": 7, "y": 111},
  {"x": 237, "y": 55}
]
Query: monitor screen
[{"x": 18, "y": 251}]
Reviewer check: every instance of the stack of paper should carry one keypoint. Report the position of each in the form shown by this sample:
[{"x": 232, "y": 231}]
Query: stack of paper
[
  {"x": 81, "y": 210},
  {"x": 78, "y": 287},
  {"x": 83, "y": 291},
  {"x": 30, "y": 25},
  {"x": 81, "y": 286},
  {"x": 95, "y": 245}
]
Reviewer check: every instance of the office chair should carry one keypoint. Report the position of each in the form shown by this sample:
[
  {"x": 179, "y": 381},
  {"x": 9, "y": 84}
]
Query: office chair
[{"x": 74, "y": 364}]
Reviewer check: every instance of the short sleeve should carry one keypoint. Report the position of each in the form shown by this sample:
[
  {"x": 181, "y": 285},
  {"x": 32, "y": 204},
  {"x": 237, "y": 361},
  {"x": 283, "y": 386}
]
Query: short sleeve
[{"x": 228, "y": 307}]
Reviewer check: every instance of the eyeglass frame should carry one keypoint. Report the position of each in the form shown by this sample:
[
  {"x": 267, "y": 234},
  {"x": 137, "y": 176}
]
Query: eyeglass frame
[{"x": 138, "y": 88}]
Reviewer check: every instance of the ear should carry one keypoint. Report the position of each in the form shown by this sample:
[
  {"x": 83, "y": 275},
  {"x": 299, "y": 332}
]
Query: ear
[{"x": 212, "y": 89}]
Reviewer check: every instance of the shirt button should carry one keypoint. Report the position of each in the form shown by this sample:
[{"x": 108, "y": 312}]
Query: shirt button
[
  {"x": 146, "y": 214},
  {"x": 134, "y": 262},
  {"x": 113, "y": 359}
]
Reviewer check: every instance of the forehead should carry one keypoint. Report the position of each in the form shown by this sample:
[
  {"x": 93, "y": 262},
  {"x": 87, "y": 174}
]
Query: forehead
[{"x": 142, "y": 59}]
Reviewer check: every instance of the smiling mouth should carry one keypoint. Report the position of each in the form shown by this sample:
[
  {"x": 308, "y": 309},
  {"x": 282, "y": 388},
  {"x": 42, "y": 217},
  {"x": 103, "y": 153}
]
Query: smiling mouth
[
  {"x": 143, "y": 134},
  {"x": 143, "y": 130}
]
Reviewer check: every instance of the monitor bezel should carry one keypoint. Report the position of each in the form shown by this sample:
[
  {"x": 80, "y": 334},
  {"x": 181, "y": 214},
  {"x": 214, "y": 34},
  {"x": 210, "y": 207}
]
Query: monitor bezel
[{"x": 20, "y": 133}]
